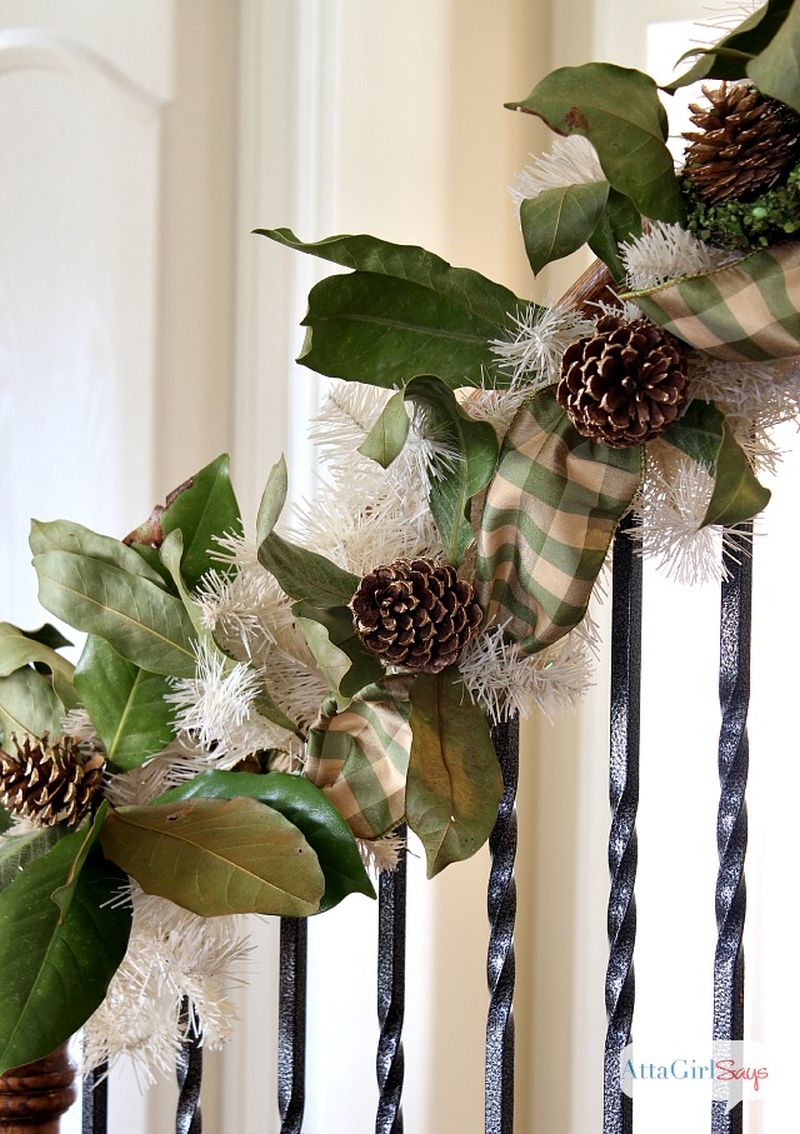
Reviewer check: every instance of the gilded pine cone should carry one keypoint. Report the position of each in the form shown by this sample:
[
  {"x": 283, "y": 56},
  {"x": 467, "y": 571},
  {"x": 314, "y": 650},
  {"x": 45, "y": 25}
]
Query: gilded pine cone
[{"x": 416, "y": 614}]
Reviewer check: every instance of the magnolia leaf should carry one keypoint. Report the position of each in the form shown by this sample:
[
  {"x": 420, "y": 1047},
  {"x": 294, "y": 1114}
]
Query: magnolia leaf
[
  {"x": 206, "y": 507},
  {"x": 704, "y": 435},
  {"x": 18, "y": 650},
  {"x": 304, "y": 575},
  {"x": 737, "y": 495},
  {"x": 775, "y": 70},
  {"x": 560, "y": 221},
  {"x": 217, "y": 856},
  {"x": 618, "y": 110},
  {"x": 474, "y": 458},
  {"x": 62, "y": 938},
  {"x": 18, "y": 851},
  {"x": 454, "y": 779},
  {"x": 468, "y": 289},
  {"x": 304, "y": 805},
  {"x": 272, "y": 500},
  {"x": 48, "y": 635},
  {"x": 337, "y": 648},
  {"x": 265, "y": 705},
  {"x": 619, "y": 223},
  {"x": 384, "y": 331},
  {"x": 731, "y": 57},
  {"x": 402, "y": 312},
  {"x": 384, "y": 442},
  {"x": 172, "y": 556},
  {"x": 139, "y": 619},
  {"x": 63, "y": 535},
  {"x": 28, "y": 706},
  {"x": 126, "y": 705}
]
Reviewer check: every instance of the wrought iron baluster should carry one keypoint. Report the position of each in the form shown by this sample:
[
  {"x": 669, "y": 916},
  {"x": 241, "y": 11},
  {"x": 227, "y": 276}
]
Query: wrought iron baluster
[
  {"x": 292, "y": 1024},
  {"x": 626, "y": 656},
  {"x": 189, "y": 1073},
  {"x": 94, "y": 1101},
  {"x": 734, "y": 696},
  {"x": 391, "y": 996},
  {"x": 502, "y": 907}
]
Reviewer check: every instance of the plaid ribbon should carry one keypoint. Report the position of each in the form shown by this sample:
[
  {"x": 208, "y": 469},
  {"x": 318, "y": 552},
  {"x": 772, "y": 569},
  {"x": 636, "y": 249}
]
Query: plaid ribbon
[
  {"x": 359, "y": 757},
  {"x": 746, "y": 312},
  {"x": 549, "y": 517}
]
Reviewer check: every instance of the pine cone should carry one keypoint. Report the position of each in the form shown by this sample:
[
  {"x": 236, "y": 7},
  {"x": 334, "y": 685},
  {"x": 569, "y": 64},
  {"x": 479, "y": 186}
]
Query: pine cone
[
  {"x": 417, "y": 614},
  {"x": 624, "y": 384},
  {"x": 748, "y": 143},
  {"x": 49, "y": 782}
]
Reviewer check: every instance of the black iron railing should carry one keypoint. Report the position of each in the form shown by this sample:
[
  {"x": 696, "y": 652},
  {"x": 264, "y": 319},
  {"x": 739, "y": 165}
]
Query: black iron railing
[{"x": 618, "y": 1115}]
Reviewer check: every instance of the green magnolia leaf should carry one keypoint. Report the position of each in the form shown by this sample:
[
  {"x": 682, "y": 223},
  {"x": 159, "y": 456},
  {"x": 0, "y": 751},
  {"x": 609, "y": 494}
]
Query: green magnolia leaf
[
  {"x": 217, "y": 856},
  {"x": 560, "y": 221},
  {"x": 619, "y": 223},
  {"x": 48, "y": 635},
  {"x": 383, "y": 331},
  {"x": 703, "y": 433},
  {"x": 475, "y": 450},
  {"x": 468, "y": 289},
  {"x": 138, "y": 618},
  {"x": 273, "y": 500},
  {"x": 618, "y": 110},
  {"x": 18, "y": 851},
  {"x": 172, "y": 556},
  {"x": 384, "y": 442},
  {"x": 153, "y": 559},
  {"x": 126, "y": 705},
  {"x": 454, "y": 779},
  {"x": 18, "y": 650},
  {"x": 304, "y": 575},
  {"x": 698, "y": 433},
  {"x": 401, "y": 313},
  {"x": 61, "y": 941},
  {"x": 337, "y": 649},
  {"x": 731, "y": 56},
  {"x": 205, "y": 508},
  {"x": 63, "y": 535},
  {"x": 737, "y": 495},
  {"x": 28, "y": 705},
  {"x": 775, "y": 70},
  {"x": 306, "y": 807},
  {"x": 266, "y": 707}
]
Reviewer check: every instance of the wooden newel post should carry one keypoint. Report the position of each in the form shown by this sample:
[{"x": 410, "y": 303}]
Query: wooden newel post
[{"x": 33, "y": 1097}]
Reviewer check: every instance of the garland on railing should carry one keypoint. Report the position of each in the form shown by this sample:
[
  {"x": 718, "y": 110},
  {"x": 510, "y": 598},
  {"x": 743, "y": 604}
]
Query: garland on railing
[{"x": 253, "y": 717}]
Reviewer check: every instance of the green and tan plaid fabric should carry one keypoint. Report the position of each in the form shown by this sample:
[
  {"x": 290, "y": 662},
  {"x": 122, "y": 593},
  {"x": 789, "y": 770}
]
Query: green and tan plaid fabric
[
  {"x": 747, "y": 312},
  {"x": 359, "y": 757},
  {"x": 550, "y": 513}
]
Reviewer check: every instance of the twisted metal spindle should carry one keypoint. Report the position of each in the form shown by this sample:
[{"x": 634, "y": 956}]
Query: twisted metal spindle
[
  {"x": 292, "y": 1024},
  {"x": 391, "y": 996},
  {"x": 502, "y": 907},
  {"x": 626, "y": 656},
  {"x": 189, "y": 1073},
  {"x": 94, "y": 1101},
  {"x": 734, "y": 696}
]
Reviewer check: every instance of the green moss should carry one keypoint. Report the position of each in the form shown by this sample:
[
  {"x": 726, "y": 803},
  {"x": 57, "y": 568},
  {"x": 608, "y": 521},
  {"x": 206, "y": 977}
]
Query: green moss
[{"x": 767, "y": 219}]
